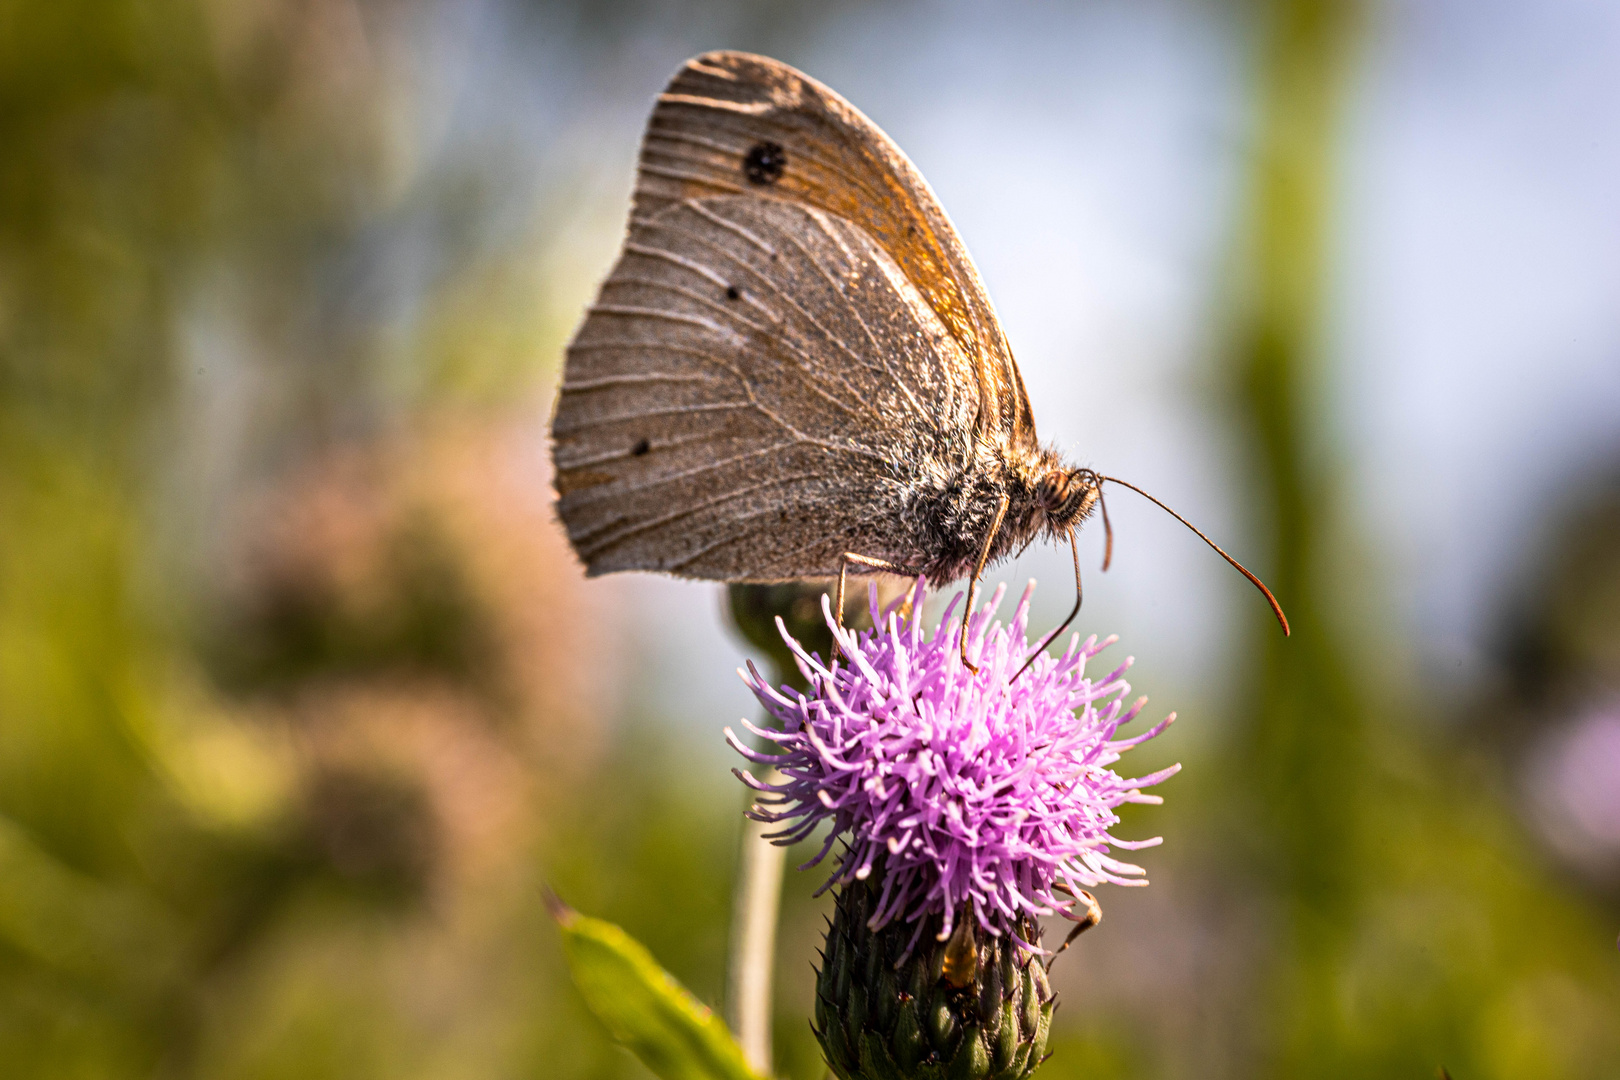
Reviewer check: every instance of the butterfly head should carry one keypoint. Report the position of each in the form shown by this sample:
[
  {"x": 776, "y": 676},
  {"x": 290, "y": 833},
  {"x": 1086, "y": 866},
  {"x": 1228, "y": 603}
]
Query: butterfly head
[{"x": 1066, "y": 497}]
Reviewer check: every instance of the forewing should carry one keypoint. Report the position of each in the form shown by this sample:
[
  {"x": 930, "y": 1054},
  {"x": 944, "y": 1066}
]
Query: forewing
[
  {"x": 753, "y": 393},
  {"x": 723, "y": 106}
]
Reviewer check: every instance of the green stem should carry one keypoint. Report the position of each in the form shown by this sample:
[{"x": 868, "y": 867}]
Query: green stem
[{"x": 755, "y": 907}]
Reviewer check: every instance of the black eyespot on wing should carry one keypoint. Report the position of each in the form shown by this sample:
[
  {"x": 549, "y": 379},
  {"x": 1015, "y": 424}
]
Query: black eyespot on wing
[
  {"x": 732, "y": 293},
  {"x": 641, "y": 447},
  {"x": 764, "y": 163}
]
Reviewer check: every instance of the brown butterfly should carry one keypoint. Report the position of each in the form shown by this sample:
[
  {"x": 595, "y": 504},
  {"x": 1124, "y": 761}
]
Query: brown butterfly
[{"x": 794, "y": 369}]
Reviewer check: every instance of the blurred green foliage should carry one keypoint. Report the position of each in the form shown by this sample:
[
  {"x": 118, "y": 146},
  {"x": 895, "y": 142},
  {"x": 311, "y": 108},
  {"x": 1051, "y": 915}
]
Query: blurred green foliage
[
  {"x": 246, "y": 831},
  {"x": 184, "y": 891},
  {"x": 117, "y": 903},
  {"x": 1417, "y": 928}
]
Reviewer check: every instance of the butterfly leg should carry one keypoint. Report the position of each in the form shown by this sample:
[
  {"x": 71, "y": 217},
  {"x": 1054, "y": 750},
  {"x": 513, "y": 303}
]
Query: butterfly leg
[
  {"x": 1079, "y": 596},
  {"x": 1082, "y": 923},
  {"x": 864, "y": 560},
  {"x": 973, "y": 585}
]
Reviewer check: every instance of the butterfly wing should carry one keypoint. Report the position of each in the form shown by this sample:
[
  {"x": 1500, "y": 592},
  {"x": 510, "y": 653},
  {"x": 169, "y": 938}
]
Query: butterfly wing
[
  {"x": 756, "y": 390},
  {"x": 713, "y": 132}
]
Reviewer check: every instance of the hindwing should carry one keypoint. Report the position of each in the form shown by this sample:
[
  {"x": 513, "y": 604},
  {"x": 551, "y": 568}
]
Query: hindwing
[{"x": 757, "y": 390}]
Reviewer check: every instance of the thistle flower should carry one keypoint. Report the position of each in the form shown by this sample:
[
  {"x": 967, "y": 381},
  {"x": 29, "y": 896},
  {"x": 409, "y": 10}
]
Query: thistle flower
[
  {"x": 982, "y": 793},
  {"x": 965, "y": 803}
]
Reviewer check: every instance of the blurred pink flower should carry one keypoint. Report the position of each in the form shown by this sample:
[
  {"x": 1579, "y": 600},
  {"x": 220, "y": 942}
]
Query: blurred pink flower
[{"x": 1575, "y": 790}]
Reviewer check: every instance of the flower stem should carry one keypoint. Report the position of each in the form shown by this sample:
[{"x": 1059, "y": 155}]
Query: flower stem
[{"x": 755, "y": 905}]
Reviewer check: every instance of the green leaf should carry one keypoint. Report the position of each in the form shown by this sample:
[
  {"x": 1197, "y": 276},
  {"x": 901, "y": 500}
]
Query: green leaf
[{"x": 643, "y": 1007}]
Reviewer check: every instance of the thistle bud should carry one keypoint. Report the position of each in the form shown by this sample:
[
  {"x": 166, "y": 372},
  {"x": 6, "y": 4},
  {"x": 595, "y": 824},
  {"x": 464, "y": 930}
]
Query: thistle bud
[{"x": 887, "y": 1007}]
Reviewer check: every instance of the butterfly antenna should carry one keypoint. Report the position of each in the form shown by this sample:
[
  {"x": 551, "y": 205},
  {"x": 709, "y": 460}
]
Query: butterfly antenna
[
  {"x": 1276, "y": 608},
  {"x": 1108, "y": 530},
  {"x": 1079, "y": 594}
]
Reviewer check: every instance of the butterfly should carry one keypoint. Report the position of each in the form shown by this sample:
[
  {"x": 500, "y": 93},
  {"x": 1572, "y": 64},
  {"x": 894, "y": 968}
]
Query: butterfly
[{"x": 794, "y": 370}]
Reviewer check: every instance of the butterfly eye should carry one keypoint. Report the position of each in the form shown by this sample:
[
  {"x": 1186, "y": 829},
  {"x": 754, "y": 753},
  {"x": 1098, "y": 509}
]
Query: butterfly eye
[
  {"x": 1052, "y": 490},
  {"x": 764, "y": 163}
]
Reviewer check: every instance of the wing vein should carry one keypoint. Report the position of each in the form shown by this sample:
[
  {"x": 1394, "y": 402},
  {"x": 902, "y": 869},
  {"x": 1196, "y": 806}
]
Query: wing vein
[
  {"x": 607, "y": 382},
  {"x": 655, "y": 313},
  {"x": 598, "y": 546},
  {"x": 878, "y": 350},
  {"x": 675, "y": 135},
  {"x": 731, "y": 226},
  {"x": 810, "y": 381},
  {"x": 673, "y": 410},
  {"x": 708, "y": 466},
  {"x": 663, "y": 445},
  {"x": 746, "y": 108},
  {"x": 809, "y": 378},
  {"x": 706, "y": 179},
  {"x": 678, "y": 260}
]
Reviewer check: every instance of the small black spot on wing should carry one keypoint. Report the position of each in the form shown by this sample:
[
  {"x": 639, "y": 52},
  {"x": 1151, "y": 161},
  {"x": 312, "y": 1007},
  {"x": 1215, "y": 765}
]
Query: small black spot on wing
[
  {"x": 641, "y": 447},
  {"x": 732, "y": 293},
  {"x": 764, "y": 162}
]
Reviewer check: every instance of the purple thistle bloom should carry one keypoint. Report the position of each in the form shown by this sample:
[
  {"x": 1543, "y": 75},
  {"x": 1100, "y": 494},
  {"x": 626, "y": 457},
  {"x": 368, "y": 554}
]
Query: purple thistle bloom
[{"x": 982, "y": 789}]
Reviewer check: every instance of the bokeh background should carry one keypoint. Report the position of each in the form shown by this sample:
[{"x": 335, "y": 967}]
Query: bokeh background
[{"x": 303, "y": 698}]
